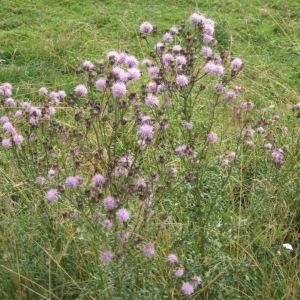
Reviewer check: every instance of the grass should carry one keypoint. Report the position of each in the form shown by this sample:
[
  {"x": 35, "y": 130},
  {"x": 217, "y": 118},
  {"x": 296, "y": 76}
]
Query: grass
[{"x": 226, "y": 225}]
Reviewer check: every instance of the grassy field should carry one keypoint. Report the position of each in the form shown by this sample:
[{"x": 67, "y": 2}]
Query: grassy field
[{"x": 227, "y": 209}]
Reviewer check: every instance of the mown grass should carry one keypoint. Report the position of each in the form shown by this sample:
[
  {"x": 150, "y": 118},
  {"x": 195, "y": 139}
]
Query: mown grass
[{"x": 46, "y": 257}]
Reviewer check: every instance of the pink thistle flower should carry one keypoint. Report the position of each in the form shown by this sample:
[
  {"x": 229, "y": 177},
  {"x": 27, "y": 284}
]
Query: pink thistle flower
[
  {"x": 149, "y": 250},
  {"x": 249, "y": 132},
  {"x": 208, "y": 39},
  {"x": 52, "y": 195},
  {"x": 43, "y": 91},
  {"x": 40, "y": 180},
  {"x": 122, "y": 58},
  {"x": 209, "y": 29},
  {"x": 134, "y": 74},
  {"x": 232, "y": 155},
  {"x": 152, "y": 87},
  {"x": 206, "y": 51},
  {"x": 61, "y": 94},
  {"x": 6, "y": 143},
  {"x": 268, "y": 146},
  {"x": 106, "y": 257},
  {"x": 260, "y": 129},
  {"x": 18, "y": 114},
  {"x": 18, "y": 139},
  {"x": 101, "y": 84},
  {"x": 249, "y": 143},
  {"x": 153, "y": 71},
  {"x": 119, "y": 89},
  {"x": 9, "y": 101},
  {"x": 188, "y": 125},
  {"x": 246, "y": 106},
  {"x": 167, "y": 58},
  {"x": 123, "y": 215},
  {"x": 88, "y": 65},
  {"x": 107, "y": 223},
  {"x": 181, "y": 150},
  {"x": 151, "y": 101},
  {"x": 25, "y": 104},
  {"x": 182, "y": 80},
  {"x": 110, "y": 203},
  {"x": 176, "y": 49},
  {"x": 99, "y": 180},
  {"x": 146, "y": 131},
  {"x": 212, "y": 68},
  {"x": 140, "y": 184},
  {"x": 81, "y": 90},
  {"x": 53, "y": 96},
  {"x": 181, "y": 60},
  {"x": 113, "y": 55},
  {"x": 237, "y": 63},
  {"x": 146, "y": 62},
  {"x": 278, "y": 156},
  {"x": 196, "y": 18},
  {"x": 146, "y": 27},
  {"x": 51, "y": 173},
  {"x": 178, "y": 272},
  {"x": 9, "y": 128},
  {"x": 36, "y": 112},
  {"x": 231, "y": 95},
  {"x": 4, "y": 119},
  {"x": 212, "y": 137},
  {"x": 219, "y": 88},
  {"x": 172, "y": 259},
  {"x": 187, "y": 288},
  {"x": 167, "y": 37},
  {"x": 132, "y": 62},
  {"x": 196, "y": 280},
  {"x": 159, "y": 47},
  {"x": 73, "y": 181}
]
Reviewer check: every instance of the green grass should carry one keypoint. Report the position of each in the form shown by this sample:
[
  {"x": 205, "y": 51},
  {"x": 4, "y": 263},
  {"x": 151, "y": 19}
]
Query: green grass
[{"x": 227, "y": 226}]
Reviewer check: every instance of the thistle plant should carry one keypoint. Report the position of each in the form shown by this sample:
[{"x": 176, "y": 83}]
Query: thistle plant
[{"x": 132, "y": 172}]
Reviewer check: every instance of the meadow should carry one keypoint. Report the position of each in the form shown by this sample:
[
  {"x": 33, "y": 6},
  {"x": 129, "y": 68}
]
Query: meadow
[{"x": 149, "y": 150}]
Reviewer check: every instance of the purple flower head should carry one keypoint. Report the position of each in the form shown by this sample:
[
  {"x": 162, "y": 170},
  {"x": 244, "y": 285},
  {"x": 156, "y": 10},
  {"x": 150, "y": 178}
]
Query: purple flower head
[
  {"x": 167, "y": 37},
  {"x": 167, "y": 58},
  {"x": 159, "y": 47},
  {"x": 119, "y": 89},
  {"x": 231, "y": 95},
  {"x": 51, "y": 172},
  {"x": 181, "y": 150},
  {"x": 219, "y": 88},
  {"x": 134, "y": 74},
  {"x": 268, "y": 146},
  {"x": 196, "y": 18},
  {"x": 9, "y": 101},
  {"x": 176, "y": 49},
  {"x": 151, "y": 101},
  {"x": 61, "y": 94},
  {"x": 146, "y": 27},
  {"x": 9, "y": 128},
  {"x": 278, "y": 156},
  {"x": 122, "y": 58},
  {"x": 6, "y": 143},
  {"x": 209, "y": 29},
  {"x": 18, "y": 139},
  {"x": 123, "y": 215},
  {"x": 146, "y": 62},
  {"x": 237, "y": 63},
  {"x": 52, "y": 195},
  {"x": 81, "y": 90},
  {"x": 178, "y": 272},
  {"x": 101, "y": 84},
  {"x": 113, "y": 55},
  {"x": 172, "y": 259},
  {"x": 88, "y": 65},
  {"x": 208, "y": 39},
  {"x": 182, "y": 80},
  {"x": 146, "y": 131},
  {"x": 140, "y": 184},
  {"x": 246, "y": 106},
  {"x": 73, "y": 181},
  {"x": 152, "y": 87},
  {"x": 212, "y": 137},
  {"x": 212, "y": 68},
  {"x": 131, "y": 61},
  {"x": 4, "y": 119},
  {"x": 18, "y": 114},
  {"x": 174, "y": 30},
  {"x": 196, "y": 280},
  {"x": 153, "y": 71},
  {"x": 181, "y": 60},
  {"x": 206, "y": 51},
  {"x": 106, "y": 257},
  {"x": 124, "y": 235},
  {"x": 25, "y": 104},
  {"x": 249, "y": 132},
  {"x": 249, "y": 143},
  {"x": 110, "y": 203},
  {"x": 149, "y": 250},
  {"x": 107, "y": 223},
  {"x": 232, "y": 155},
  {"x": 99, "y": 180},
  {"x": 40, "y": 180},
  {"x": 187, "y": 288},
  {"x": 188, "y": 125}
]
